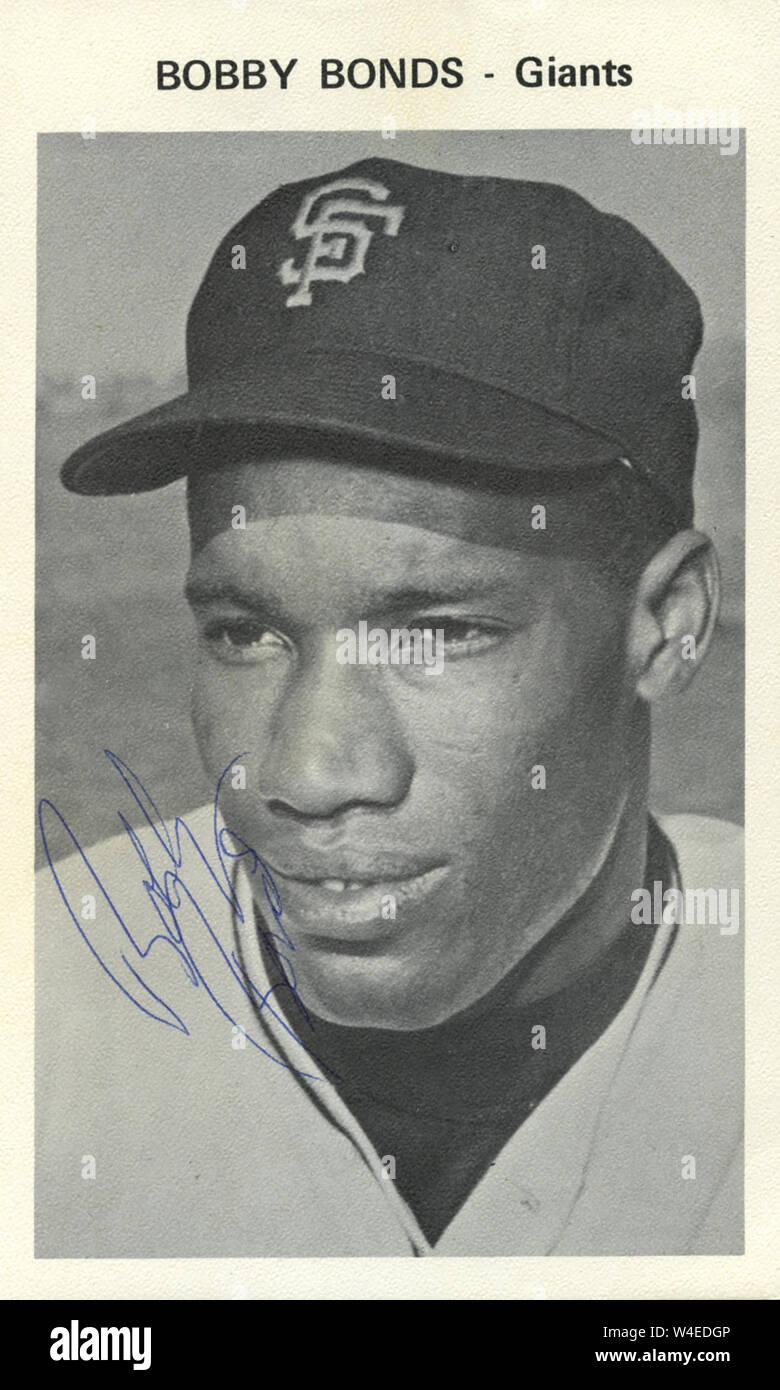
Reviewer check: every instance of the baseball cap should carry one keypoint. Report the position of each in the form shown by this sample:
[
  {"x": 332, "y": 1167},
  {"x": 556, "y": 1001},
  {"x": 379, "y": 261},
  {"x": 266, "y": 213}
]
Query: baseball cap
[{"x": 501, "y": 322}]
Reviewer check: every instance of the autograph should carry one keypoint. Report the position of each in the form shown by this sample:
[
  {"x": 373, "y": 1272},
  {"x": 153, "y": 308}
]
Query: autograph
[{"x": 170, "y": 897}]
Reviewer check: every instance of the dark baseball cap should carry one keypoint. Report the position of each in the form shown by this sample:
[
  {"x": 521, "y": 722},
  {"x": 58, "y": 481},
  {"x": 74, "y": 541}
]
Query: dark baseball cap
[{"x": 504, "y": 323}]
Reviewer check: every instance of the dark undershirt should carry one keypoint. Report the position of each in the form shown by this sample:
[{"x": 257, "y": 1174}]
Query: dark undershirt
[{"x": 444, "y": 1101}]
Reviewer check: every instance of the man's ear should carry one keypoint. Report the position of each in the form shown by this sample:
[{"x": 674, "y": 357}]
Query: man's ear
[{"x": 673, "y": 616}]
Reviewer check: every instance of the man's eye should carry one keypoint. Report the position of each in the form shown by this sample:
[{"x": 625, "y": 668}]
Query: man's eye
[
  {"x": 462, "y": 634},
  {"x": 242, "y": 640}
]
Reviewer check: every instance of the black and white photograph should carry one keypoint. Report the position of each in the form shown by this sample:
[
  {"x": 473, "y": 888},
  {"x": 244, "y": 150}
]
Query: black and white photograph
[{"x": 390, "y": 543}]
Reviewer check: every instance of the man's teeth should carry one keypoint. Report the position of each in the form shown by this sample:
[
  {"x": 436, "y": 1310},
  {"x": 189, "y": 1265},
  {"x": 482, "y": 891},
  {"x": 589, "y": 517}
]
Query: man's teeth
[{"x": 341, "y": 885}]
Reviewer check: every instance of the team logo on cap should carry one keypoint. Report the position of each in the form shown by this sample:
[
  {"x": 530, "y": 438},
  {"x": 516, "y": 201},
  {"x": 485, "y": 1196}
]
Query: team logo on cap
[{"x": 339, "y": 232}]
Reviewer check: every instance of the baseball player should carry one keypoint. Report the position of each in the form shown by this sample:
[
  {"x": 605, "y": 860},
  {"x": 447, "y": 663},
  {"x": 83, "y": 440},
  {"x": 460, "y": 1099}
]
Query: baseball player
[{"x": 425, "y": 977}]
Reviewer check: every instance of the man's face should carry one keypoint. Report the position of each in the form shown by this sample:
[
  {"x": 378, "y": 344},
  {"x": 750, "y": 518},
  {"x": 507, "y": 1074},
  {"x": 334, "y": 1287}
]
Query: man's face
[{"x": 418, "y": 847}]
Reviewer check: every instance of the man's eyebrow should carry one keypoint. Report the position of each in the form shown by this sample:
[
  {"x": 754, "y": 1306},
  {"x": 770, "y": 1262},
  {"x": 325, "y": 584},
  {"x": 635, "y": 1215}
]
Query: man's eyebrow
[
  {"x": 200, "y": 593},
  {"x": 424, "y": 596}
]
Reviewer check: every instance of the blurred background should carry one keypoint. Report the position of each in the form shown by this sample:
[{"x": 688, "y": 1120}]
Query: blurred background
[{"x": 126, "y": 227}]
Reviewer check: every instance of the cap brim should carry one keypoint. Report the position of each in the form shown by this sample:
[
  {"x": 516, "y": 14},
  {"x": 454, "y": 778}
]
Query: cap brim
[{"x": 328, "y": 397}]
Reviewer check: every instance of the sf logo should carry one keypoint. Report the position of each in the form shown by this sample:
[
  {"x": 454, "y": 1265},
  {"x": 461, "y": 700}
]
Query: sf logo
[{"x": 338, "y": 233}]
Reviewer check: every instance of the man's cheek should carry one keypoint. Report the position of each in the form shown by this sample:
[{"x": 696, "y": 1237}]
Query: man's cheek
[
  {"x": 202, "y": 723},
  {"x": 220, "y": 726},
  {"x": 484, "y": 784},
  {"x": 203, "y": 712}
]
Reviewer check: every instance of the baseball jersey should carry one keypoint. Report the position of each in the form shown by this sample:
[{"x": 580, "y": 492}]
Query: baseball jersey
[{"x": 179, "y": 1114}]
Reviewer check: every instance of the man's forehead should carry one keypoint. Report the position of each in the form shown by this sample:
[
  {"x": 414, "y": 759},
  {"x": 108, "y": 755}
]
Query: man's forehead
[{"x": 302, "y": 486}]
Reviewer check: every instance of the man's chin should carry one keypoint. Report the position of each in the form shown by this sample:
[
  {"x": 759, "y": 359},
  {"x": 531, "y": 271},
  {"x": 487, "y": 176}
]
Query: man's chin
[{"x": 356, "y": 992}]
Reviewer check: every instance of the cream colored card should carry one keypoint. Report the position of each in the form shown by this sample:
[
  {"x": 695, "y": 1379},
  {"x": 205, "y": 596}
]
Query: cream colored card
[{"x": 119, "y": 184}]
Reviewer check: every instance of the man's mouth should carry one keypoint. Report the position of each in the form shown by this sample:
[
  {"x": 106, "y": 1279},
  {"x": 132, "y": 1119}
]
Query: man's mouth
[
  {"x": 351, "y": 907},
  {"x": 339, "y": 885}
]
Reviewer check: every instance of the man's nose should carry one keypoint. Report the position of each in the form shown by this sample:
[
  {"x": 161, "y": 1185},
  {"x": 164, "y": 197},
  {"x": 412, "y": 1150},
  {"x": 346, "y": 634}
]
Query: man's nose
[{"x": 335, "y": 741}]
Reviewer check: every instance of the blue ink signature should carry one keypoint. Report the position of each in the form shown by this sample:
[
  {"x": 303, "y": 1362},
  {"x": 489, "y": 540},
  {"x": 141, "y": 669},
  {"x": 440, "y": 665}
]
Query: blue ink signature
[{"x": 169, "y": 895}]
